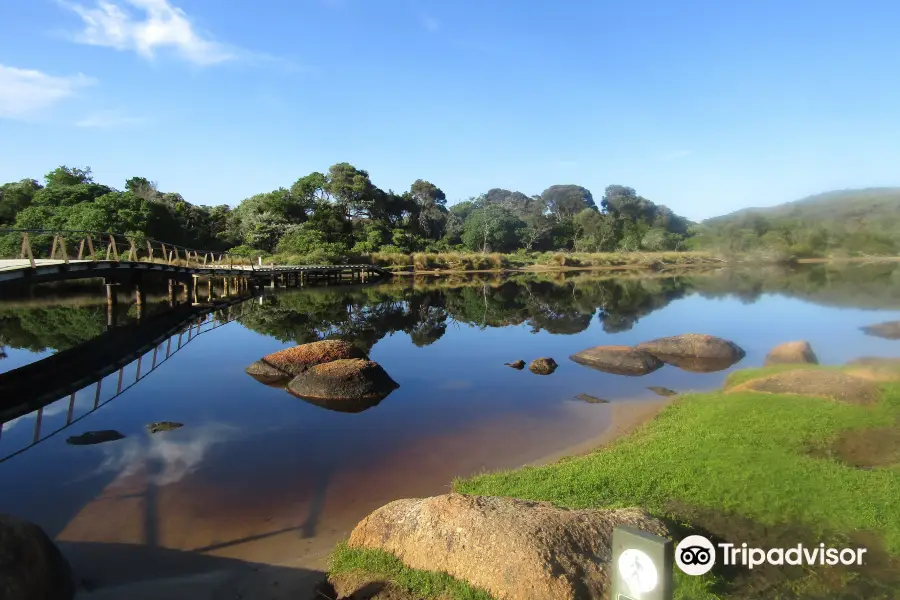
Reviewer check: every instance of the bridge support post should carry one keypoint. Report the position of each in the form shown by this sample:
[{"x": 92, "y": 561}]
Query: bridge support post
[
  {"x": 139, "y": 300},
  {"x": 195, "y": 283},
  {"x": 111, "y": 304},
  {"x": 171, "y": 293},
  {"x": 225, "y": 286},
  {"x": 209, "y": 295}
]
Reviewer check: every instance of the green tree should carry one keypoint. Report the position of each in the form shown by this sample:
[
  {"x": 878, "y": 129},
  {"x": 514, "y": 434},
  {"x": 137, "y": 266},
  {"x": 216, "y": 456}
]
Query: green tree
[
  {"x": 567, "y": 200},
  {"x": 16, "y": 196},
  {"x": 492, "y": 229}
]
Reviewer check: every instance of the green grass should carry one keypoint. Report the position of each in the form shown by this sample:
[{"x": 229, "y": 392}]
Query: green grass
[
  {"x": 385, "y": 566},
  {"x": 744, "y": 455}
]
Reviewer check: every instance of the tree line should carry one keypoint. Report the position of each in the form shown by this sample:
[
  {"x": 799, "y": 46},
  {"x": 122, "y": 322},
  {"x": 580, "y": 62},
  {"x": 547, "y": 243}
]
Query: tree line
[{"x": 341, "y": 213}]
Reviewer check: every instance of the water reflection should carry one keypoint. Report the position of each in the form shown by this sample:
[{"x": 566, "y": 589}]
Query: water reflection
[
  {"x": 259, "y": 475},
  {"x": 165, "y": 458}
]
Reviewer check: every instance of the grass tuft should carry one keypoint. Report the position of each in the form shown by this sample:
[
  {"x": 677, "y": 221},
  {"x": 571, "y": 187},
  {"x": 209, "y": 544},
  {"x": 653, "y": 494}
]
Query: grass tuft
[{"x": 383, "y": 565}]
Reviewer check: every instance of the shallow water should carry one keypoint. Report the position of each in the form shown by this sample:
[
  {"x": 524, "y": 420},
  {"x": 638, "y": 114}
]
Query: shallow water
[{"x": 260, "y": 475}]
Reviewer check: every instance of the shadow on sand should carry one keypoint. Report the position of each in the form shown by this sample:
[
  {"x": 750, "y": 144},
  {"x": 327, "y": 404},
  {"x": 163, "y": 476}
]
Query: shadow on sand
[{"x": 141, "y": 572}]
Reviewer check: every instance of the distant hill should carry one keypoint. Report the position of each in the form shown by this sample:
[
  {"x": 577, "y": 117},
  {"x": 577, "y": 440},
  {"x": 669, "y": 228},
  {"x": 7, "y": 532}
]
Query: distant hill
[
  {"x": 868, "y": 204},
  {"x": 858, "y": 222}
]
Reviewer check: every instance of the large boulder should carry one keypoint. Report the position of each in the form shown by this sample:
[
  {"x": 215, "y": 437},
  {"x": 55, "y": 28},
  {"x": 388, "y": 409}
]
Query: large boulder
[
  {"x": 278, "y": 368},
  {"x": 345, "y": 379},
  {"x": 620, "y": 360},
  {"x": 696, "y": 352},
  {"x": 542, "y": 366},
  {"x": 792, "y": 353},
  {"x": 889, "y": 330},
  {"x": 514, "y": 549},
  {"x": 816, "y": 382},
  {"x": 31, "y": 566}
]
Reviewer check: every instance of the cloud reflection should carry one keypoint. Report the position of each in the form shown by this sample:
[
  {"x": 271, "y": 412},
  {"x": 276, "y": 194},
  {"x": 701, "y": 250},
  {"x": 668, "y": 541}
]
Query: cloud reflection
[{"x": 166, "y": 457}]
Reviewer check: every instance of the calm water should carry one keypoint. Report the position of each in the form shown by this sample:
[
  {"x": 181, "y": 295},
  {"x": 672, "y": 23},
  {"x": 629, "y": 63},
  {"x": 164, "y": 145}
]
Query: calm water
[{"x": 260, "y": 475}]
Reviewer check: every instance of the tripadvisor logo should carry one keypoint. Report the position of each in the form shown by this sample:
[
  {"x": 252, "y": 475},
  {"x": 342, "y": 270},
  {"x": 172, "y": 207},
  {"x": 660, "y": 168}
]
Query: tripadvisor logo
[{"x": 696, "y": 555}]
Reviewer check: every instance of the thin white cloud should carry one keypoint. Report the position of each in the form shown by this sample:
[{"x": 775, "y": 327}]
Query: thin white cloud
[
  {"x": 431, "y": 24},
  {"x": 676, "y": 155},
  {"x": 146, "y": 27},
  {"x": 109, "y": 120},
  {"x": 176, "y": 453},
  {"x": 27, "y": 93}
]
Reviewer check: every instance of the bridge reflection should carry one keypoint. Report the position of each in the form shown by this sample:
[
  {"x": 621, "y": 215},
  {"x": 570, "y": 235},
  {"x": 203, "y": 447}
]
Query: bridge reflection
[{"x": 51, "y": 385}]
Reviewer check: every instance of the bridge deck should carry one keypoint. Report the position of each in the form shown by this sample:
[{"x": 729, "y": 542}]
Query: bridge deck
[{"x": 51, "y": 270}]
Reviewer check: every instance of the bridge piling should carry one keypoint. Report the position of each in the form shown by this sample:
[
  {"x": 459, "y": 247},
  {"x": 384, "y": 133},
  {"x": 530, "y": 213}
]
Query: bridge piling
[
  {"x": 111, "y": 304},
  {"x": 171, "y": 293}
]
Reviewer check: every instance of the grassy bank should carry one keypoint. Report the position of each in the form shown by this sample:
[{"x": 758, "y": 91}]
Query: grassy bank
[{"x": 745, "y": 467}]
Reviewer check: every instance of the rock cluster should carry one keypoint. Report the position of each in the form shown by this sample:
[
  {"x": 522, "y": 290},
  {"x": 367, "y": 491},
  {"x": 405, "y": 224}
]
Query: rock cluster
[
  {"x": 694, "y": 352},
  {"x": 332, "y": 373}
]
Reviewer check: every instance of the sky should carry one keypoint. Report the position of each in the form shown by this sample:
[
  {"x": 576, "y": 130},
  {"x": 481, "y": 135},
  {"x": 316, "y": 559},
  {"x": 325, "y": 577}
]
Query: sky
[{"x": 704, "y": 106}]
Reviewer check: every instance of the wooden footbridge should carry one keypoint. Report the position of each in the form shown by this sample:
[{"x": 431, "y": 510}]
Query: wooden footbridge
[{"x": 48, "y": 255}]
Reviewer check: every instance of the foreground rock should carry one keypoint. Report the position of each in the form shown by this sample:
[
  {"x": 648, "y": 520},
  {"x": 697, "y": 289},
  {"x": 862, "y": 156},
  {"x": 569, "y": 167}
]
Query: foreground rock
[
  {"x": 695, "y": 352},
  {"x": 346, "y": 379},
  {"x": 89, "y": 438},
  {"x": 31, "y": 566},
  {"x": 889, "y": 330},
  {"x": 518, "y": 365},
  {"x": 158, "y": 426},
  {"x": 278, "y": 368},
  {"x": 816, "y": 382},
  {"x": 514, "y": 549},
  {"x": 791, "y": 353},
  {"x": 542, "y": 366},
  {"x": 619, "y": 360}
]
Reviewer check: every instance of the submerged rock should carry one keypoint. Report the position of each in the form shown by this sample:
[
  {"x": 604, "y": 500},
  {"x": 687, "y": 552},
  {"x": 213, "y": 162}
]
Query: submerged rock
[
  {"x": 816, "y": 382},
  {"x": 157, "y": 426},
  {"x": 278, "y": 368},
  {"x": 619, "y": 360},
  {"x": 89, "y": 438},
  {"x": 266, "y": 374},
  {"x": 31, "y": 566},
  {"x": 511, "y": 548},
  {"x": 792, "y": 353},
  {"x": 661, "y": 391},
  {"x": 591, "y": 399},
  {"x": 518, "y": 365},
  {"x": 889, "y": 330},
  {"x": 542, "y": 366},
  {"x": 345, "y": 379},
  {"x": 695, "y": 352}
]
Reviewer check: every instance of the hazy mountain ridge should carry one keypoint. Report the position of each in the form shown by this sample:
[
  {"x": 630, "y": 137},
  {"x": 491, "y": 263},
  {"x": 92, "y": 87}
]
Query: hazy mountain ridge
[{"x": 836, "y": 204}]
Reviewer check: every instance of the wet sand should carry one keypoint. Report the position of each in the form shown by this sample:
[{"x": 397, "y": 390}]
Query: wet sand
[{"x": 202, "y": 537}]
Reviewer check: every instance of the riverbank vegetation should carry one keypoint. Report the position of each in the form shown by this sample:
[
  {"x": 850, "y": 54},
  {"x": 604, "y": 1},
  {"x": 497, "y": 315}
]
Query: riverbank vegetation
[
  {"x": 743, "y": 466},
  {"x": 342, "y": 216},
  {"x": 737, "y": 466},
  {"x": 424, "y": 306}
]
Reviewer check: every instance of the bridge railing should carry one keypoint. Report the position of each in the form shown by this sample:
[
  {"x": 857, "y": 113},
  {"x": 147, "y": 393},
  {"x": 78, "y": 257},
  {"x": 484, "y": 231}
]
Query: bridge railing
[
  {"x": 137, "y": 370},
  {"x": 36, "y": 245}
]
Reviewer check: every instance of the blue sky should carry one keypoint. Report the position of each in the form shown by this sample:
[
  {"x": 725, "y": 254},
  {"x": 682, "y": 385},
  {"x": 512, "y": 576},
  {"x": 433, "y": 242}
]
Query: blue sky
[{"x": 704, "y": 106}]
